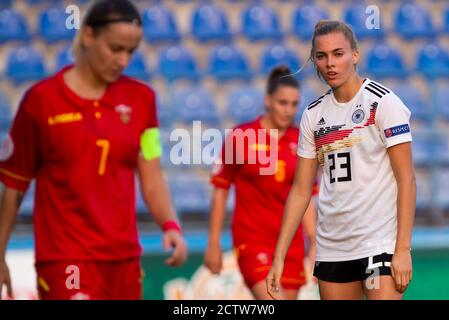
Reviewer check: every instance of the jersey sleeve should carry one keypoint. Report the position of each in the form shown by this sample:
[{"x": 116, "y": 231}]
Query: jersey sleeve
[
  {"x": 150, "y": 144},
  {"x": 225, "y": 167},
  {"x": 306, "y": 143},
  {"x": 393, "y": 121},
  {"x": 19, "y": 152}
]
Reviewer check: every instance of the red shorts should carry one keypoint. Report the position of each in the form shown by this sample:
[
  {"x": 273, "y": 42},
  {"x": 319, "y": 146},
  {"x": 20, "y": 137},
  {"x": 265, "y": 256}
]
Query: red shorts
[
  {"x": 255, "y": 263},
  {"x": 90, "y": 280}
]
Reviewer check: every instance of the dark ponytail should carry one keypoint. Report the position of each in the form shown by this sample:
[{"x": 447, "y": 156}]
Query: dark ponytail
[{"x": 280, "y": 76}]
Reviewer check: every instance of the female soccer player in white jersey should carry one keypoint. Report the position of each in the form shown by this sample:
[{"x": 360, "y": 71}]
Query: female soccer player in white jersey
[{"x": 358, "y": 134}]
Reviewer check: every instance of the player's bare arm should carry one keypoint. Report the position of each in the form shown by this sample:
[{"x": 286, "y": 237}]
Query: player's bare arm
[
  {"x": 157, "y": 198},
  {"x": 402, "y": 165},
  {"x": 295, "y": 208},
  {"x": 9, "y": 205},
  {"x": 213, "y": 255}
]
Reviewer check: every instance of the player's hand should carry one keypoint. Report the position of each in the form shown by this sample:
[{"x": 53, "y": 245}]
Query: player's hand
[
  {"x": 173, "y": 239},
  {"x": 213, "y": 258},
  {"x": 273, "y": 279},
  {"x": 401, "y": 269},
  {"x": 5, "y": 279}
]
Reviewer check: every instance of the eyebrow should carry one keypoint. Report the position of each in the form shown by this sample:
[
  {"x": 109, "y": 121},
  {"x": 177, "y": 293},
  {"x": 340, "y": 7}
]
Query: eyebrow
[{"x": 322, "y": 52}]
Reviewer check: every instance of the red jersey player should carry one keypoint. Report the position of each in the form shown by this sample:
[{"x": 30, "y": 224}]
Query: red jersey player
[
  {"x": 82, "y": 134},
  {"x": 261, "y": 192}
]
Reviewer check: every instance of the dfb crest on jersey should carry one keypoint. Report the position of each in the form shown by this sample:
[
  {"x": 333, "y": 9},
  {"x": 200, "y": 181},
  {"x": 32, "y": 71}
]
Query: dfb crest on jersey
[
  {"x": 125, "y": 112},
  {"x": 358, "y": 116}
]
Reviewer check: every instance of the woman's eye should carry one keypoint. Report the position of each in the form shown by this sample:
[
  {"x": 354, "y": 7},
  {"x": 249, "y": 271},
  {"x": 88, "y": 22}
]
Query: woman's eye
[{"x": 339, "y": 54}]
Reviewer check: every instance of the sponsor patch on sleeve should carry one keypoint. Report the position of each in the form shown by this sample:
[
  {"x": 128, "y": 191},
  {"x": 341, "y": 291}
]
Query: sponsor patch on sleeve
[{"x": 395, "y": 131}]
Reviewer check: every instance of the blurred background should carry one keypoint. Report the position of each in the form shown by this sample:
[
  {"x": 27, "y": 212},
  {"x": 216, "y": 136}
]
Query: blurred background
[{"x": 208, "y": 61}]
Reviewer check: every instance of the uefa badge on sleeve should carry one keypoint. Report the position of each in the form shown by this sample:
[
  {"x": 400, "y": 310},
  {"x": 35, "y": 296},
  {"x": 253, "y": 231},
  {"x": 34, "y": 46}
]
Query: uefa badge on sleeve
[{"x": 125, "y": 113}]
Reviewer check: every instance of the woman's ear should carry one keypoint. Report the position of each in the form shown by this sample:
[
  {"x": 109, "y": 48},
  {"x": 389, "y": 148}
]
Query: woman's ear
[
  {"x": 87, "y": 36},
  {"x": 355, "y": 56}
]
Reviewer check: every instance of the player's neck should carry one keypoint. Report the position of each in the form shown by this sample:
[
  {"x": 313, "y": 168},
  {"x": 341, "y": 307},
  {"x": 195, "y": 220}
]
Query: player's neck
[
  {"x": 349, "y": 89},
  {"x": 267, "y": 124},
  {"x": 84, "y": 83}
]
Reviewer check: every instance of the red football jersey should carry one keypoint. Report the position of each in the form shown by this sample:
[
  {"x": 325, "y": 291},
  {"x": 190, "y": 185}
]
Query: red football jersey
[
  {"x": 259, "y": 198},
  {"x": 83, "y": 155}
]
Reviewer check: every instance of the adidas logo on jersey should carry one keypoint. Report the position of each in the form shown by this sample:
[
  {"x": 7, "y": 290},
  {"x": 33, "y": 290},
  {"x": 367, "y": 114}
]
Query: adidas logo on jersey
[{"x": 321, "y": 122}]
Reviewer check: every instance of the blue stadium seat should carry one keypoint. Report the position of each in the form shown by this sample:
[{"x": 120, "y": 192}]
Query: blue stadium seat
[
  {"x": 442, "y": 188},
  {"x": 245, "y": 104},
  {"x": 228, "y": 63},
  {"x": 260, "y": 22},
  {"x": 413, "y": 99},
  {"x": 25, "y": 64},
  {"x": 13, "y": 26},
  {"x": 177, "y": 62},
  {"x": 423, "y": 149},
  {"x": 190, "y": 193},
  {"x": 137, "y": 67},
  {"x": 5, "y": 113},
  {"x": 305, "y": 18},
  {"x": 64, "y": 57},
  {"x": 52, "y": 25},
  {"x": 385, "y": 61},
  {"x": 192, "y": 104},
  {"x": 412, "y": 21},
  {"x": 356, "y": 16},
  {"x": 210, "y": 23},
  {"x": 159, "y": 24},
  {"x": 442, "y": 149},
  {"x": 442, "y": 100},
  {"x": 279, "y": 55},
  {"x": 433, "y": 61}
]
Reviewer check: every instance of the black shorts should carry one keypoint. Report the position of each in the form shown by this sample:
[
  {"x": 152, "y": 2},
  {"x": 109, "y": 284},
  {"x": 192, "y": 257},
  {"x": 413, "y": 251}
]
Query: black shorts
[{"x": 353, "y": 270}]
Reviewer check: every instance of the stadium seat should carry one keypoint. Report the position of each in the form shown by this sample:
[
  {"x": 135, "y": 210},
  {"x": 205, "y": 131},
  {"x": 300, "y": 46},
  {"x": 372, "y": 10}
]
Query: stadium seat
[
  {"x": 355, "y": 15},
  {"x": 5, "y": 113},
  {"x": 442, "y": 149},
  {"x": 412, "y": 21},
  {"x": 177, "y": 62},
  {"x": 13, "y": 26},
  {"x": 64, "y": 57},
  {"x": 137, "y": 67},
  {"x": 159, "y": 25},
  {"x": 190, "y": 193},
  {"x": 385, "y": 61},
  {"x": 228, "y": 63},
  {"x": 304, "y": 19},
  {"x": 210, "y": 23},
  {"x": 433, "y": 61},
  {"x": 260, "y": 22},
  {"x": 52, "y": 25},
  {"x": 413, "y": 99},
  {"x": 245, "y": 104},
  {"x": 194, "y": 104},
  {"x": 25, "y": 64},
  {"x": 442, "y": 100},
  {"x": 442, "y": 188},
  {"x": 279, "y": 55},
  {"x": 423, "y": 149}
]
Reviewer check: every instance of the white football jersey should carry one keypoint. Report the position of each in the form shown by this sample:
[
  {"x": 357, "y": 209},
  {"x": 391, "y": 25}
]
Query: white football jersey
[{"x": 357, "y": 212}]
